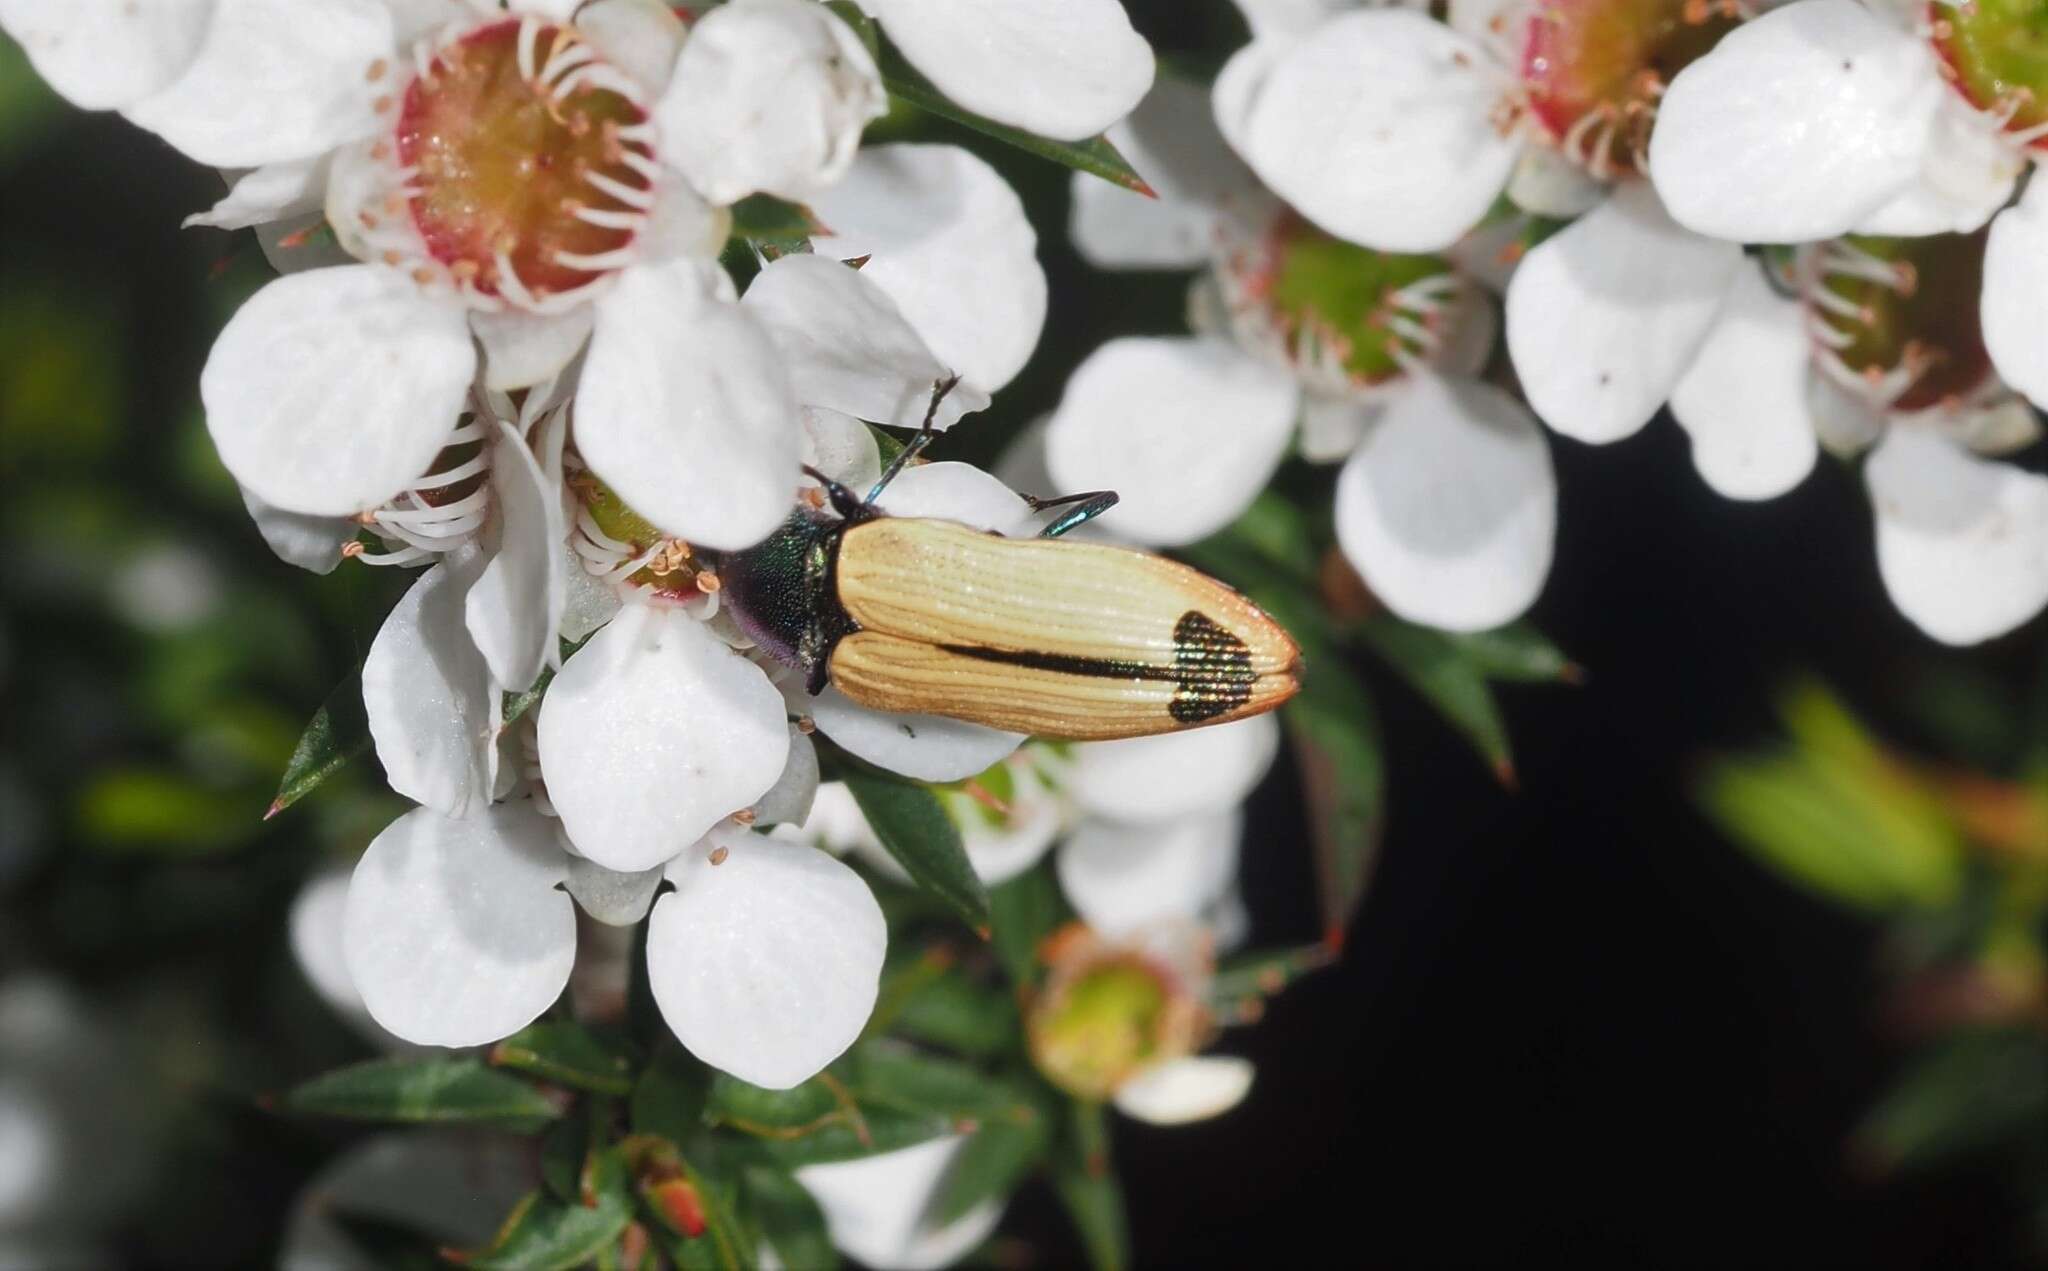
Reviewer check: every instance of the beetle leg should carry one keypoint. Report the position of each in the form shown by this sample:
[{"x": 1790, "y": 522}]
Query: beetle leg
[
  {"x": 1087, "y": 507},
  {"x": 915, "y": 446}
]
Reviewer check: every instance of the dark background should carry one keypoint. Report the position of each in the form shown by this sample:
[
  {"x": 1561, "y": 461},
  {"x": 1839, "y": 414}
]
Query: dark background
[{"x": 1571, "y": 1020}]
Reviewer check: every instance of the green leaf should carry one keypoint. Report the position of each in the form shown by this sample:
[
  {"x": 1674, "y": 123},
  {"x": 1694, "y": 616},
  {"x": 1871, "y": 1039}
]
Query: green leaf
[
  {"x": 338, "y": 734},
  {"x": 1094, "y": 156},
  {"x": 1337, "y": 747},
  {"x": 776, "y": 226},
  {"x": 724, "y": 1244},
  {"x": 563, "y": 1147},
  {"x": 1025, "y": 910},
  {"x": 567, "y": 1054},
  {"x": 545, "y": 1234},
  {"x": 879, "y": 1129},
  {"x": 890, "y": 1074},
  {"x": 1261, "y": 974},
  {"x": 162, "y": 813},
  {"x": 790, "y": 1221},
  {"x": 1087, "y": 1186},
  {"x": 953, "y": 1011},
  {"x": 914, "y": 827},
  {"x": 1970, "y": 1093},
  {"x": 1436, "y": 667},
  {"x": 669, "y": 1098},
  {"x": 992, "y": 1163},
  {"x": 777, "y": 1113},
  {"x": 424, "y": 1091},
  {"x": 1517, "y": 651}
]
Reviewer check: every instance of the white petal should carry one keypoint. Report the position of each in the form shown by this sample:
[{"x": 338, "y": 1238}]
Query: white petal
[
  {"x": 589, "y": 603},
  {"x": 455, "y": 934},
  {"x": 875, "y": 1207},
  {"x": 310, "y": 542},
  {"x": 1186, "y": 430},
  {"x": 274, "y": 80},
  {"x": 2014, "y": 307},
  {"x": 1065, "y": 69},
  {"x": 2003, "y": 425},
  {"x": 105, "y": 54},
  {"x": 523, "y": 349},
  {"x": 685, "y": 411},
  {"x": 768, "y": 95},
  {"x": 790, "y": 800},
  {"x": 654, "y": 732},
  {"x": 331, "y": 391},
  {"x": 1962, "y": 542},
  {"x": 848, "y": 347},
  {"x": 836, "y": 824},
  {"x": 1173, "y": 775},
  {"x": 1331, "y": 427},
  {"x": 1605, "y": 316},
  {"x": 928, "y": 217},
  {"x": 1125, "y": 878},
  {"x": 1797, "y": 126},
  {"x": 841, "y": 447},
  {"x": 515, "y": 609},
  {"x": 766, "y": 964},
  {"x": 1173, "y": 142},
  {"x": 1846, "y": 422},
  {"x": 957, "y": 492},
  {"x": 613, "y": 898},
  {"x": 1281, "y": 19},
  {"x": 1449, "y": 508},
  {"x": 922, "y": 747},
  {"x": 1548, "y": 184},
  {"x": 429, "y": 696},
  {"x": 1967, "y": 173},
  {"x": 273, "y": 192},
  {"x": 1378, "y": 127},
  {"x": 455, "y": 1190},
  {"x": 1743, "y": 401},
  {"x": 317, "y": 944},
  {"x": 1179, "y": 1091},
  {"x": 640, "y": 37}
]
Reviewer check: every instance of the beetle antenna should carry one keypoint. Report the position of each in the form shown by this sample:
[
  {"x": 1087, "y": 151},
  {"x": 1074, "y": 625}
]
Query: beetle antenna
[
  {"x": 1085, "y": 508},
  {"x": 843, "y": 500},
  {"x": 915, "y": 446}
]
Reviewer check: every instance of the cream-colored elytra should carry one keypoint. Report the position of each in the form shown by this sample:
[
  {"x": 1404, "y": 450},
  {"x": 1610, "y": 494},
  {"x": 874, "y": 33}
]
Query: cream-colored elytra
[{"x": 1049, "y": 637}]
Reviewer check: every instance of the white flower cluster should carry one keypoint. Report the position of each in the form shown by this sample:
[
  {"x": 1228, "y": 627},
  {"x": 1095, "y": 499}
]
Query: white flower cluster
[
  {"x": 1770, "y": 218},
  {"x": 504, "y": 348}
]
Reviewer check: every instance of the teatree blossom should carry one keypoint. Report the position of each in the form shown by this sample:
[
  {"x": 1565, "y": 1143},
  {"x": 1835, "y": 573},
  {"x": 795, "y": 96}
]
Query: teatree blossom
[
  {"x": 534, "y": 177},
  {"x": 1878, "y": 348},
  {"x": 1447, "y": 501},
  {"x": 1829, "y": 117}
]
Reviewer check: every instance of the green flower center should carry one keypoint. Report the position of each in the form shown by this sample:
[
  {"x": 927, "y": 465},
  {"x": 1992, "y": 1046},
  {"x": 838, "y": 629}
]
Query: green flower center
[
  {"x": 675, "y": 571},
  {"x": 1594, "y": 70},
  {"x": 1996, "y": 54},
  {"x": 1348, "y": 308},
  {"x": 1902, "y": 314},
  {"x": 528, "y": 162},
  {"x": 1101, "y": 1026}
]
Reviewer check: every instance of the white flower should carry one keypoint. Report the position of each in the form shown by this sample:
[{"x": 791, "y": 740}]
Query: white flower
[
  {"x": 1447, "y": 501},
  {"x": 1065, "y": 69},
  {"x": 1857, "y": 359},
  {"x": 875, "y": 1207},
  {"x": 510, "y": 178},
  {"x": 764, "y": 958},
  {"x": 1829, "y": 117}
]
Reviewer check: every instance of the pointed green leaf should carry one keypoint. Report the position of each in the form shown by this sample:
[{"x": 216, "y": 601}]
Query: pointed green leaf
[
  {"x": 890, "y": 1074},
  {"x": 424, "y": 1091},
  {"x": 1337, "y": 749},
  {"x": 669, "y": 1098},
  {"x": 953, "y": 1011},
  {"x": 1517, "y": 651},
  {"x": 545, "y": 1234},
  {"x": 567, "y": 1054},
  {"x": 1026, "y": 909},
  {"x": 1968, "y": 1093},
  {"x": 1094, "y": 156},
  {"x": 789, "y": 1219},
  {"x": 1435, "y": 666},
  {"x": 776, "y": 1113},
  {"x": 914, "y": 827},
  {"x": 1265, "y": 972},
  {"x": 775, "y": 225},
  {"x": 991, "y": 1165},
  {"x": 338, "y": 733},
  {"x": 1087, "y": 1186}
]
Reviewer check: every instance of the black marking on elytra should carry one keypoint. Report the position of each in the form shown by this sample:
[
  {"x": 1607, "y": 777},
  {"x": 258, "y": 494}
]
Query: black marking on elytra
[{"x": 1211, "y": 672}]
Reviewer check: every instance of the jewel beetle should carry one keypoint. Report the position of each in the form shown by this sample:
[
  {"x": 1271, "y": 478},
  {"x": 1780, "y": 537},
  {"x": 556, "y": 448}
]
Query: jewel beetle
[{"x": 1047, "y": 636}]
